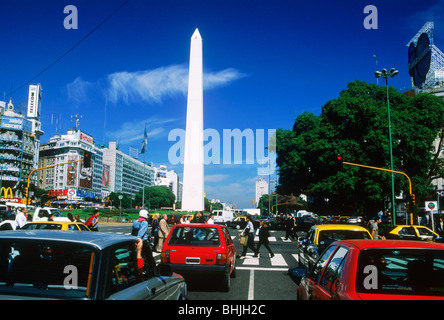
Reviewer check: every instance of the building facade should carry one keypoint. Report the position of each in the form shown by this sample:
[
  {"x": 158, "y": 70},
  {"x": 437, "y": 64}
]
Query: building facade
[
  {"x": 67, "y": 181},
  {"x": 261, "y": 189},
  {"x": 19, "y": 146},
  {"x": 127, "y": 175}
]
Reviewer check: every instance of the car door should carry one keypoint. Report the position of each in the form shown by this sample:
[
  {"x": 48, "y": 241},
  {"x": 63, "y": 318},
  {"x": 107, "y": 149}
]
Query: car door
[
  {"x": 407, "y": 233},
  {"x": 329, "y": 282},
  {"x": 124, "y": 280},
  {"x": 231, "y": 250},
  {"x": 310, "y": 284}
]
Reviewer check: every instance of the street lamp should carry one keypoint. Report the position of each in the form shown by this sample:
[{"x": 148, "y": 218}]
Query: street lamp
[{"x": 385, "y": 74}]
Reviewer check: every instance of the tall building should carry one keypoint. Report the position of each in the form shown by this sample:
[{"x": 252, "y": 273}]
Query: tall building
[
  {"x": 127, "y": 175},
  {"x": 19, "y": 145},
  {"x": 71, "y": 183},
  {"x": 261, "y": 189},
  {"x": 167, "y": 178}
]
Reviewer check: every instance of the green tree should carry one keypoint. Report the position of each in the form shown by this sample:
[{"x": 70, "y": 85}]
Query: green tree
[
  {"x": 355, "y": 125},
  {"x": 156, "y": 197}
]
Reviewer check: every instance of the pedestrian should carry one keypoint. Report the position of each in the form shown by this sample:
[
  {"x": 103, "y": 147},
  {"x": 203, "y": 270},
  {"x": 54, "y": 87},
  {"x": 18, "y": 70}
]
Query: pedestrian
[
  {"x": 211, "y": 219},
  {"x": 440, "y": 227},
  {"x": 155, "y": 229},
  {"x": 20, "y": 218},
  {"x": 140, "y": 226},
  {"x": 198, "y": 218},
  {"x": 249, "y": 231},
  {"x": 183, "y": 219},
  {"x": 289, "y": 226},
  {"x": 164, "y": 229},
  {"x": 263, "y": 237},
  {"x": 70, "y": 217},
  {"x": 374, "y": 229},
  {"x": 77, "y": 218},
  {"x": 93, "y": 221},
  {"x": 51, "y": 217},
  {"x": 189, "y": 219}
]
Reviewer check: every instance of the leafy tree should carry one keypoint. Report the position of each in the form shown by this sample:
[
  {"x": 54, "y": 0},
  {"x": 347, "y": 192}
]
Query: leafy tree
[
  {"x": 355, "y": 125},
  {"x": 156, "y": 197}
]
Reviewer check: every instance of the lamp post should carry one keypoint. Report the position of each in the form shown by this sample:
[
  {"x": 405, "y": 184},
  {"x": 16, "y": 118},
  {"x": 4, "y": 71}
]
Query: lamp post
[{"x": 385, "y": 74}]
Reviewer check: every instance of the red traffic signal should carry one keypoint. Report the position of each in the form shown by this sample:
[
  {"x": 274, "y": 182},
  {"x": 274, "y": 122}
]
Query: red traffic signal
[
  {"x": 339, "y": 161},
  {"x": 87, "y": 159}
]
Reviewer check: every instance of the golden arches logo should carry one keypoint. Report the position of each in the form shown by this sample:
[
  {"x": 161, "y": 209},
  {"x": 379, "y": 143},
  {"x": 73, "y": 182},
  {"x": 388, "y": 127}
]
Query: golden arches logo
[{"x": 4, "y": 192}]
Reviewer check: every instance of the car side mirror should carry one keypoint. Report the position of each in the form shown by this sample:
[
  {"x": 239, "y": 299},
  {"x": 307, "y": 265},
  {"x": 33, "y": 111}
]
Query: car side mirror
[
  {"x": 165, "y": 270},
  {"x": 296, "y": 274}
]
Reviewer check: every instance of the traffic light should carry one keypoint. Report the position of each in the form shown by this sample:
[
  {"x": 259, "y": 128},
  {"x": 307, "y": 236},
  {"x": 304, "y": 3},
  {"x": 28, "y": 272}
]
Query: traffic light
[
  {"x": 412, "y": 197},
  {"x": 87, "y": 159},
  {"x": 339, "y": 162},
  {"x": 26, "y": 192}
]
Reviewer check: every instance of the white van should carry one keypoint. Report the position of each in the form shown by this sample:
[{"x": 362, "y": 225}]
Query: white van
[{"x": 222, "y": 216}]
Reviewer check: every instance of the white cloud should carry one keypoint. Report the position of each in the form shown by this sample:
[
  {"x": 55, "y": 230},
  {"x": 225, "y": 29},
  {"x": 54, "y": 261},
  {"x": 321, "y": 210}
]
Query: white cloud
[
  {"x": 215, "y": 177},
  {"x": 151, "y": 86}
]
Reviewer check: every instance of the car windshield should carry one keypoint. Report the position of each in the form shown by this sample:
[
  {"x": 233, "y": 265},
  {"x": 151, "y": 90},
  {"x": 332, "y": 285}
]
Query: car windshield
[
  {"x": 329, "y": 236},
  {"x": 195, "y": 236},
  {"x": 43, "y": 269},
  {"x": 401, "y": 271}
]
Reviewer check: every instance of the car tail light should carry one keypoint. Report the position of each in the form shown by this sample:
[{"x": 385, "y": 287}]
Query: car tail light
[
  {"x": 221, "y": 258},
  {"x": 165, "y": 257}
]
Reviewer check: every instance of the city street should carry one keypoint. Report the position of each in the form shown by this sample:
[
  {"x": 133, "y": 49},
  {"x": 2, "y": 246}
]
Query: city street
[{"x": 257, "y": 278}]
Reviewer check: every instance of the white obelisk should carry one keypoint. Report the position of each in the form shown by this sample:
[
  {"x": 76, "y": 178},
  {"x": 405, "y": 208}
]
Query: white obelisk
[{"x": 193, "y": 173}]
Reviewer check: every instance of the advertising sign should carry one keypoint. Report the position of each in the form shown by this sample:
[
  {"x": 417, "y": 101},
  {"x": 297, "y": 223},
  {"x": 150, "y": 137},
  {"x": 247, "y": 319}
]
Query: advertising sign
[
  {"x": 71, "y": 175},
  {"x": 85, "y": 177},
  {"x": 105, "y": 175},
  {"x": 431, "y": 205},
  {"x": 34, "y": 98}
]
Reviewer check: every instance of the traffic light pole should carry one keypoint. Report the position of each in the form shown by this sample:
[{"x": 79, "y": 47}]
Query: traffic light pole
[
  {"x": 412, "y": 196},
  {"x": 30, "y": 174}
]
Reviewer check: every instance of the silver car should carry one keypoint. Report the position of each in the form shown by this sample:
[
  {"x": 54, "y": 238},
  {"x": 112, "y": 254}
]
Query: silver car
[{"x": 56, "y": 264}]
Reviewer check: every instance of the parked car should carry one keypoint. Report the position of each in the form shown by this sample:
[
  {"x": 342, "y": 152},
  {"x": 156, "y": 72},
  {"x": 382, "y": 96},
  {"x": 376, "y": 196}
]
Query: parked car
[
  {"x": 374, "y": 269},
  {"x": 201, "y": 252},
  {"x": 413, "y": 232},
  {"x": 56, "y": 264},
  {"x": 320, "y": 237},
  {"x": 55, "y": 225}
]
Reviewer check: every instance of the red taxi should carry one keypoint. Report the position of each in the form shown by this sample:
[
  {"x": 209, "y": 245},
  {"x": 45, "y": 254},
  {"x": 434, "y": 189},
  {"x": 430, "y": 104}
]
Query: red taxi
[
  {"x": 375, "y": 270},
  {"x": 201, "y": 252}
]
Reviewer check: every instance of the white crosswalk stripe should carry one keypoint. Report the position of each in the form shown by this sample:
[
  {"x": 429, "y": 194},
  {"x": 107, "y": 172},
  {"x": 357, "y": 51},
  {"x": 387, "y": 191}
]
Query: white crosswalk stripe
[{"x": 278, "y": 260}]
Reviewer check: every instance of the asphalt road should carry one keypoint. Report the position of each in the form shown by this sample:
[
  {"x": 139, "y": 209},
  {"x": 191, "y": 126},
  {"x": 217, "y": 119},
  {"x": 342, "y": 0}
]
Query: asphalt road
[{"x": 261, "y": 278}]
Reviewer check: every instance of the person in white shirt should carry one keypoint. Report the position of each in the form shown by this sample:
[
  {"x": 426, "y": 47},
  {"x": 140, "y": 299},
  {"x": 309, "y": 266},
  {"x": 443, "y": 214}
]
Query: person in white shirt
[
  {"x": 20, "y": 218},
  {"x": 211, "y": 219}
]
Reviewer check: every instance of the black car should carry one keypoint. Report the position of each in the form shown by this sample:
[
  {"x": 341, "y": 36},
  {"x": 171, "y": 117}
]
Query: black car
[{"x": 79, "y": 265}]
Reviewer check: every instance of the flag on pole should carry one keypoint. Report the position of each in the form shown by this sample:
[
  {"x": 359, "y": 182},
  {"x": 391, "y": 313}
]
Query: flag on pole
[{"x": 144, "y": 142}]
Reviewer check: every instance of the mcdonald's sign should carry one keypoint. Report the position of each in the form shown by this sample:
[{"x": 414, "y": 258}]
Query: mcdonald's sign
[{"x": 4, "y": 192}]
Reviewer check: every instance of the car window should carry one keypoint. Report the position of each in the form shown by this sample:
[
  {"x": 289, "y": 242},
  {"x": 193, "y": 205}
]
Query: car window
[
  {"x": 124, "y": 271},
  {"x": 331, "y": 271},
  {"x": 424, "y": 231},
  {"x": 320, "y": 264},
  {"x": 401, "y": 271},
  {"x": 82, "y": 227},
  {"x": 228, "y": 239},
  {"x": 45, "y": 269},
  {"x": 195, "y": 236},
  {"x": 327, "y": 237},
  {"x": 407, "y": 231},
  {"x": 73, "y": 227}
]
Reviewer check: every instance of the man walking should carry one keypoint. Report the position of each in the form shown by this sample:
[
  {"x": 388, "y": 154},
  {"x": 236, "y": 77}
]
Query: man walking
[{"x": 164, "y": 229}]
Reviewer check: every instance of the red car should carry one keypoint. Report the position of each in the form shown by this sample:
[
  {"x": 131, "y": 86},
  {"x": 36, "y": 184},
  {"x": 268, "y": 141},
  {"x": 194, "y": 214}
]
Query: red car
[
  {"x": 201, "y": 252},
  {"x": 375, "y": 270}
]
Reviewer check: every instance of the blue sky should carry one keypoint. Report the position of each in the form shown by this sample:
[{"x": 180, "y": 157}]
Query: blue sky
[{"x": 265, "y": 62}]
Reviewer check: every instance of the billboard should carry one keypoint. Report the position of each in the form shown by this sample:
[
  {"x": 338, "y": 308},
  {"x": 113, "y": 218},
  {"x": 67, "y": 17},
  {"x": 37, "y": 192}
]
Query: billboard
[
  {"x": 11, "y": 123},
  {"x": 105, "y": 175},
  {"x": 34, "y": 99},
  {"x": 71, "y": 175},
  {"x": 85, "y": 177}
]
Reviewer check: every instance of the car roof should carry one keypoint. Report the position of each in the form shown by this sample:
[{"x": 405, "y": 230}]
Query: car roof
[
  {"x": 198, "y": 225},
  {"x": 54, "y": 222},
  {"x": 98, "y": 239},
  {"x": 381, "y": 244},
  {"x": 338, "y": 227}
]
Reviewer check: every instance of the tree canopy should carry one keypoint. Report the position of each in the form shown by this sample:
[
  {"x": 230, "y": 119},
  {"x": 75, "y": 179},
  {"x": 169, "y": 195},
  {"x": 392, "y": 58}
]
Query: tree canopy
[{"x": 355, "y": 125}]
